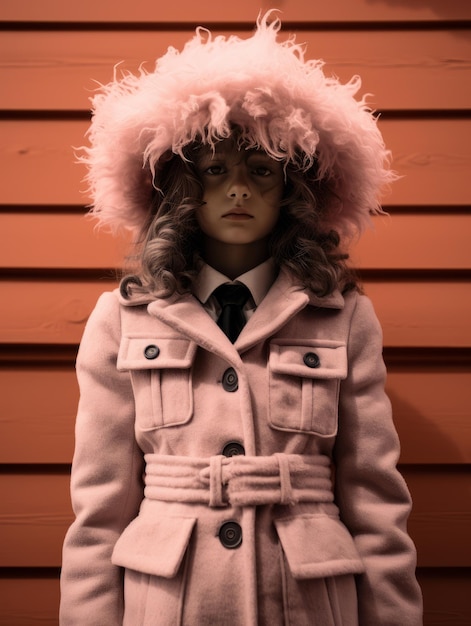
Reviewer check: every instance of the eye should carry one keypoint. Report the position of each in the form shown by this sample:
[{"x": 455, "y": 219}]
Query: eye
[
  {"x": 214, "y": 170},
  {"x": 262, "y": 170}
]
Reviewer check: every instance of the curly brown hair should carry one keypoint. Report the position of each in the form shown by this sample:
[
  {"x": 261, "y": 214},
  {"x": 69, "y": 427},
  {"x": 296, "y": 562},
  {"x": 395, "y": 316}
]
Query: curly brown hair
[{"x": 168, "y": 252}]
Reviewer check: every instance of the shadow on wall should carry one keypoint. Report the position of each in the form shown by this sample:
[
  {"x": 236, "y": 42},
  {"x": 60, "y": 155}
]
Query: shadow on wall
[
  {"x": 430, "y": 409},
  {"x": 435, "y": 448},
  {"x": 422, "y": 441}
]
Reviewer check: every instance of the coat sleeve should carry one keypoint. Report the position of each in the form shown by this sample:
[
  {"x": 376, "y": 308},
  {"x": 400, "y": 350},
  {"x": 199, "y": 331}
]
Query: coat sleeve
[
  {"x": 372, "y": 496},
  {"x": 106, "y": 483}
]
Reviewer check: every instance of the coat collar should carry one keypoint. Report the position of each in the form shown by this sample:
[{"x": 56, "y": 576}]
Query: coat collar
[{"x": 284, "y": 299}]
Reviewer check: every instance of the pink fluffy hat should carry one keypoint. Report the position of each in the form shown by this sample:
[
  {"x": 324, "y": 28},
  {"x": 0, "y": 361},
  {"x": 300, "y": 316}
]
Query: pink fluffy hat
[{"x": 282, "y": 103}]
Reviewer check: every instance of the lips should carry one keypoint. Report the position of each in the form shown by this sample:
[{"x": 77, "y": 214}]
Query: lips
[{"x": 237, "y": 213}]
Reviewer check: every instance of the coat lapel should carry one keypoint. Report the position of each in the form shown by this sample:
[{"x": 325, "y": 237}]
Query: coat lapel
[
  {"x": 186, "y": 315},
  {"x": 281, "y": 303},
  {"x": 284, "y": 300}
]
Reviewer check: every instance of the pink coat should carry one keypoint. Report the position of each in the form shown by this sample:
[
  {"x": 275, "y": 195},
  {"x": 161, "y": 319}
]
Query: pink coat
[{"x": 235, "y": 517}]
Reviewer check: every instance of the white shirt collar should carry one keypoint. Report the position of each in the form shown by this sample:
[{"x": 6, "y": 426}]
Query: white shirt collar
[{"x": 258, "y": 280}]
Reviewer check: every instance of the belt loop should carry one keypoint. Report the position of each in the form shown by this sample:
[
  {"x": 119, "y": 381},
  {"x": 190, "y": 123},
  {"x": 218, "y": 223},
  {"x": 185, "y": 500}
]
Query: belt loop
[
  {"x": 286, "y": 495},
  {"x": 215, "y": 481}
]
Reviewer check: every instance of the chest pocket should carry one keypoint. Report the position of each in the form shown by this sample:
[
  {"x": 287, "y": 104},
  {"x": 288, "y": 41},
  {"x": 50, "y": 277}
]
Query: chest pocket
[
  {"x": 161, "y": 378},
  {"x": 304, "y": 384}
]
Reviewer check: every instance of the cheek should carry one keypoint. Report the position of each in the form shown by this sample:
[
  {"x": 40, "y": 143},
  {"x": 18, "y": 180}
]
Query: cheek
[
  {"x": 276, "y": 188},
  {"x": 205, "y": 219},
  {"x": 210, "y": 199},
  {"x": 273, "y": 196}
]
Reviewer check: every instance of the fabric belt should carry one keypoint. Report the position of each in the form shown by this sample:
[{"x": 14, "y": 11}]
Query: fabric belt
[{"x": 239, "y": 480}]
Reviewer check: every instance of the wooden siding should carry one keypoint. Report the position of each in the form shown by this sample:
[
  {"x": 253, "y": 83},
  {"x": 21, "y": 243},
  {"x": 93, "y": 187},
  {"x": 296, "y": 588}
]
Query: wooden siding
[{"x": 416, "y": 60}]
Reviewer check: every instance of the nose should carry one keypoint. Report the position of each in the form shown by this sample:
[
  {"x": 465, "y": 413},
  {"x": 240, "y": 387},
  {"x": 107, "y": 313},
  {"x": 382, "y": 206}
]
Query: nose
[{"x": 238, "y": 188}]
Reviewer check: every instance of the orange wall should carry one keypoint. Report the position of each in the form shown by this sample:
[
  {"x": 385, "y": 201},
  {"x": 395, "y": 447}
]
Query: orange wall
[{"x": 416, "y": 58}]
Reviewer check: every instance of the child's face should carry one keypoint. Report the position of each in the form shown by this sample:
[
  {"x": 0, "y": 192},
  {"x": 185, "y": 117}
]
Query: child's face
[{"x": 242, "y": 194}]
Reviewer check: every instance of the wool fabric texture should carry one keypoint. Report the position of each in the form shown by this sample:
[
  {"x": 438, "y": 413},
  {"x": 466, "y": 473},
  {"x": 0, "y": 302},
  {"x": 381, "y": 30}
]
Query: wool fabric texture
[{"x": 280, "y": 103}]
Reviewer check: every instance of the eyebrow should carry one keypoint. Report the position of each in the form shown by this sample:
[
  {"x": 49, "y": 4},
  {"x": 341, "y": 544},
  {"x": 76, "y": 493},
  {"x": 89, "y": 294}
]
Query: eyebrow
[
  {"x": 208, "y": 156},
  {"x": 258, "y": 154}
]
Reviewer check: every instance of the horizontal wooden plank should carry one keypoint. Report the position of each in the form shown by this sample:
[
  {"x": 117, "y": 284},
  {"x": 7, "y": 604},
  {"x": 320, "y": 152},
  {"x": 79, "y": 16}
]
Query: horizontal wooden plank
[
  {"x": 445, "y": 590},
  {"x": 40, "y": 155},
  {"x": 37, "y": 426},
  {"x": 431, "y": 412},
  {"x": 440, "y": 505},
  {"x": 70, "y": 241},
  {"x": 60, "y": 310},
  {"x": 245, "y": 10},
  {"x": 432, "y": 155},
  {"x": 57, "y": 70},
  {"x": 424, "y": 241},
  {"x": 412, "y": 313},
  {"x": 34, "y": 516},
  {"x": 432, "y": 158},
  {"x": 415, "y": 314},
  {"x": 446, "y": 596},
  {"x": 35, "y": 513},
  {"x": 29, "y": 600}
]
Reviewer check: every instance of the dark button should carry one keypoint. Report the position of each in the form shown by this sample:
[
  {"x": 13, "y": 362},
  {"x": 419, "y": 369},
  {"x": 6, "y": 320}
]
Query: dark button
[
  {"x": 151, "y": 352},
  {"x": 230, "y": 382},
  {"x": 311, "y": 359},
  {"x": 230, "y": 535},
  {"x": 233, "y": 448}
]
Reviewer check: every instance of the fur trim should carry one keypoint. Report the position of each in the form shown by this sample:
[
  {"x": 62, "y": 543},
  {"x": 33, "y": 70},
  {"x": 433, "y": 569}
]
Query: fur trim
[{"x": 285, "y": 105}]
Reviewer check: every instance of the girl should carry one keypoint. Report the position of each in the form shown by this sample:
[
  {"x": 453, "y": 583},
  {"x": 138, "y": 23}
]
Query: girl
[{"x": 235, "y": 456}]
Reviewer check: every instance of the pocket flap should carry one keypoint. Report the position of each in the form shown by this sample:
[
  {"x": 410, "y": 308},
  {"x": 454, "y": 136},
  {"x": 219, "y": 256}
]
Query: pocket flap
[
  {"x": 155, "y": 547},
  {"x": 317, "y": 546},
  {"x": 152, "y": 353},
  {"x": 309, "y": 359}
]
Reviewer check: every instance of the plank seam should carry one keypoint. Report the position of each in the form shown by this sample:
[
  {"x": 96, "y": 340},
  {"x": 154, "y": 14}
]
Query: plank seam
[{"x": 440, "y": 24}]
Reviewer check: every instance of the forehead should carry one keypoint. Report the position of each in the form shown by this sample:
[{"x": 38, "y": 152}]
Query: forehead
[{"x": 228, "y": 148}]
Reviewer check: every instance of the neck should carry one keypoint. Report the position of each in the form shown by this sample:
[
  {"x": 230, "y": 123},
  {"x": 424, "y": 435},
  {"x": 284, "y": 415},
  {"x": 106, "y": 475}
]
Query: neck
[{"x": 232, "y": 260}]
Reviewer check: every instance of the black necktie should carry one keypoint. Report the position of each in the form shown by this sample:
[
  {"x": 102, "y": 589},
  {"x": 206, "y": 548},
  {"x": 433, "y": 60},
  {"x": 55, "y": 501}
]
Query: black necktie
[{"x": 232, "y": 299}]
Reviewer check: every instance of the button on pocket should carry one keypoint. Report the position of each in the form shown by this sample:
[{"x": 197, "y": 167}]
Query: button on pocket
[
  {"x": 151, "y": 352},
  {"x": 161, "y": 371},
  {"x": 304, "y": 385},
  {"x": 311, "y": 359}
]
